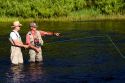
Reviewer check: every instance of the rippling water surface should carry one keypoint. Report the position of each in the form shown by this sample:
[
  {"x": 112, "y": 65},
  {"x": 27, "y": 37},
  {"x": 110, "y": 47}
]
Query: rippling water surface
[{"x": 88, "y": 52}]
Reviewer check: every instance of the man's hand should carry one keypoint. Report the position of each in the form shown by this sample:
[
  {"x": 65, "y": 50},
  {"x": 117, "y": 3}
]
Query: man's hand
[
  {"x": 26, "y": 46},
  {"x": 57, "y": 34},
  {"x": 36, "y": 50}
]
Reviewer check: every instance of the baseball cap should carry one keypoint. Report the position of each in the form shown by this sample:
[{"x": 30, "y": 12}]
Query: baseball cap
[{"x": 33, "y": 24}]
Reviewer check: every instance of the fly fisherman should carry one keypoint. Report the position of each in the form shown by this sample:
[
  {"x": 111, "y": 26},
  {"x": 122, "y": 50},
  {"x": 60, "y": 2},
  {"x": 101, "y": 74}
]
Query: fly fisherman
[
  {"x": 35, "y": 41},
  {"x": 16, "y": 44}
]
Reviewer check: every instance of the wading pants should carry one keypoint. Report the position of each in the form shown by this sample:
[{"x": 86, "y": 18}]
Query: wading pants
[
  {"x": 35, "y": 56},
  {"x": 16, "y": 55}
]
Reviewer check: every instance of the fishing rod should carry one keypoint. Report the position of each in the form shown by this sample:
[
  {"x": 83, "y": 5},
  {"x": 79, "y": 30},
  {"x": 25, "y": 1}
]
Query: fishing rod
[
  {"x": 75, "y": 39},
  {"x": 117, "y": 49}
]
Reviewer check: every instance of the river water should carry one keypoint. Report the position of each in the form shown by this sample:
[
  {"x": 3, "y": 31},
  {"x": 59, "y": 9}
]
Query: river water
[{"x": 87, "y": 52}]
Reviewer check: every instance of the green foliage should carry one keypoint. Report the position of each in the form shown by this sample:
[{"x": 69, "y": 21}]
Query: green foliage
[
  {"x": 79, "y": 4},
  {"x": 86, "y": 12},
  {"x": 55, "y": 8},
  {"x": 109, "y": 6}
]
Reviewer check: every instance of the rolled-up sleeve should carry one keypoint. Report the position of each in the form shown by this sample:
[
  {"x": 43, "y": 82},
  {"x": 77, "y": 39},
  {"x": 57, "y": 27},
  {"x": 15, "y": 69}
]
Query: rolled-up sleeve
[{"x": 43, "y": 33}]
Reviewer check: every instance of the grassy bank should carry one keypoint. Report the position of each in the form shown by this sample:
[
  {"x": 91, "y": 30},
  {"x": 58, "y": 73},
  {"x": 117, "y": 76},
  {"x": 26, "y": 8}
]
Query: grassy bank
[
  {"x": 65, "y": 19},
  {"x": 81, "y": 15}
]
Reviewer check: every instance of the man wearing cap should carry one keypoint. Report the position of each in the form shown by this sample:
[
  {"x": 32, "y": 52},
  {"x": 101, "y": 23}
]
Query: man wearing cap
[
  {"x": 16, "y": 44},
  {"x": 34, "y": 40}
]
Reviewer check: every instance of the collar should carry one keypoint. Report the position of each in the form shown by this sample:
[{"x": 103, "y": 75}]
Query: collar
[
  {"x": 33, "y": 32},
  {"x": 15, "y": 31}
]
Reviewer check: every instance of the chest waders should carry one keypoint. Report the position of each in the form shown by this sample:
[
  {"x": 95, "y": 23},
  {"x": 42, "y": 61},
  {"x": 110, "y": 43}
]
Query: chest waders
[
  {"x": 16, "y": 54},
  {"x": 35, "y": 40}
]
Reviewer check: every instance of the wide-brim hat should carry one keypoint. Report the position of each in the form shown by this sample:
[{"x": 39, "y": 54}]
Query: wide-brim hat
[
  {"x": 33, "y": 24},
  {"x": 16, "y": 24}
]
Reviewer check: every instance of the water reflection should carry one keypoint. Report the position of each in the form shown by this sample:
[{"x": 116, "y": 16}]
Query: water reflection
[
  {"x": 33, "y": 72},
  {"x": 15, "y": 74}
]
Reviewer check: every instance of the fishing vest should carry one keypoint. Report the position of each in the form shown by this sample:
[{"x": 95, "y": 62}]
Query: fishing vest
[
  {"x": 18, "y": 38},
  {"x": 36, "y": 36}
]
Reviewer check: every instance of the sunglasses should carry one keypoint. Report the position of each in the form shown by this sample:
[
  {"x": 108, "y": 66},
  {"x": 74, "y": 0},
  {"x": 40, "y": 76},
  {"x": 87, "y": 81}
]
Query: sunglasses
[{"x": 19, "y": 26}]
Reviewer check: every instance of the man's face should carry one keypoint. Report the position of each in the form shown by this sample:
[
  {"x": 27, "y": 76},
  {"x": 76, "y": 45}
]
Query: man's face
[
  {"x": 33, "y": 28},
  {"x": 17, "y": 28}
]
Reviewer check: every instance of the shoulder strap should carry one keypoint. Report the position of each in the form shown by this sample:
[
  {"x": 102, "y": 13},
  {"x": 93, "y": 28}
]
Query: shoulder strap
[{"x": 15, "y": 33}]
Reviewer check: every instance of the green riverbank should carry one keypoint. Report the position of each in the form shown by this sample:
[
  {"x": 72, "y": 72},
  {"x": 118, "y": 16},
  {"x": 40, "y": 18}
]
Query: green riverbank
[
  {"x": 66, "y": 19},
  {"x": 61, "y": 10}
]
